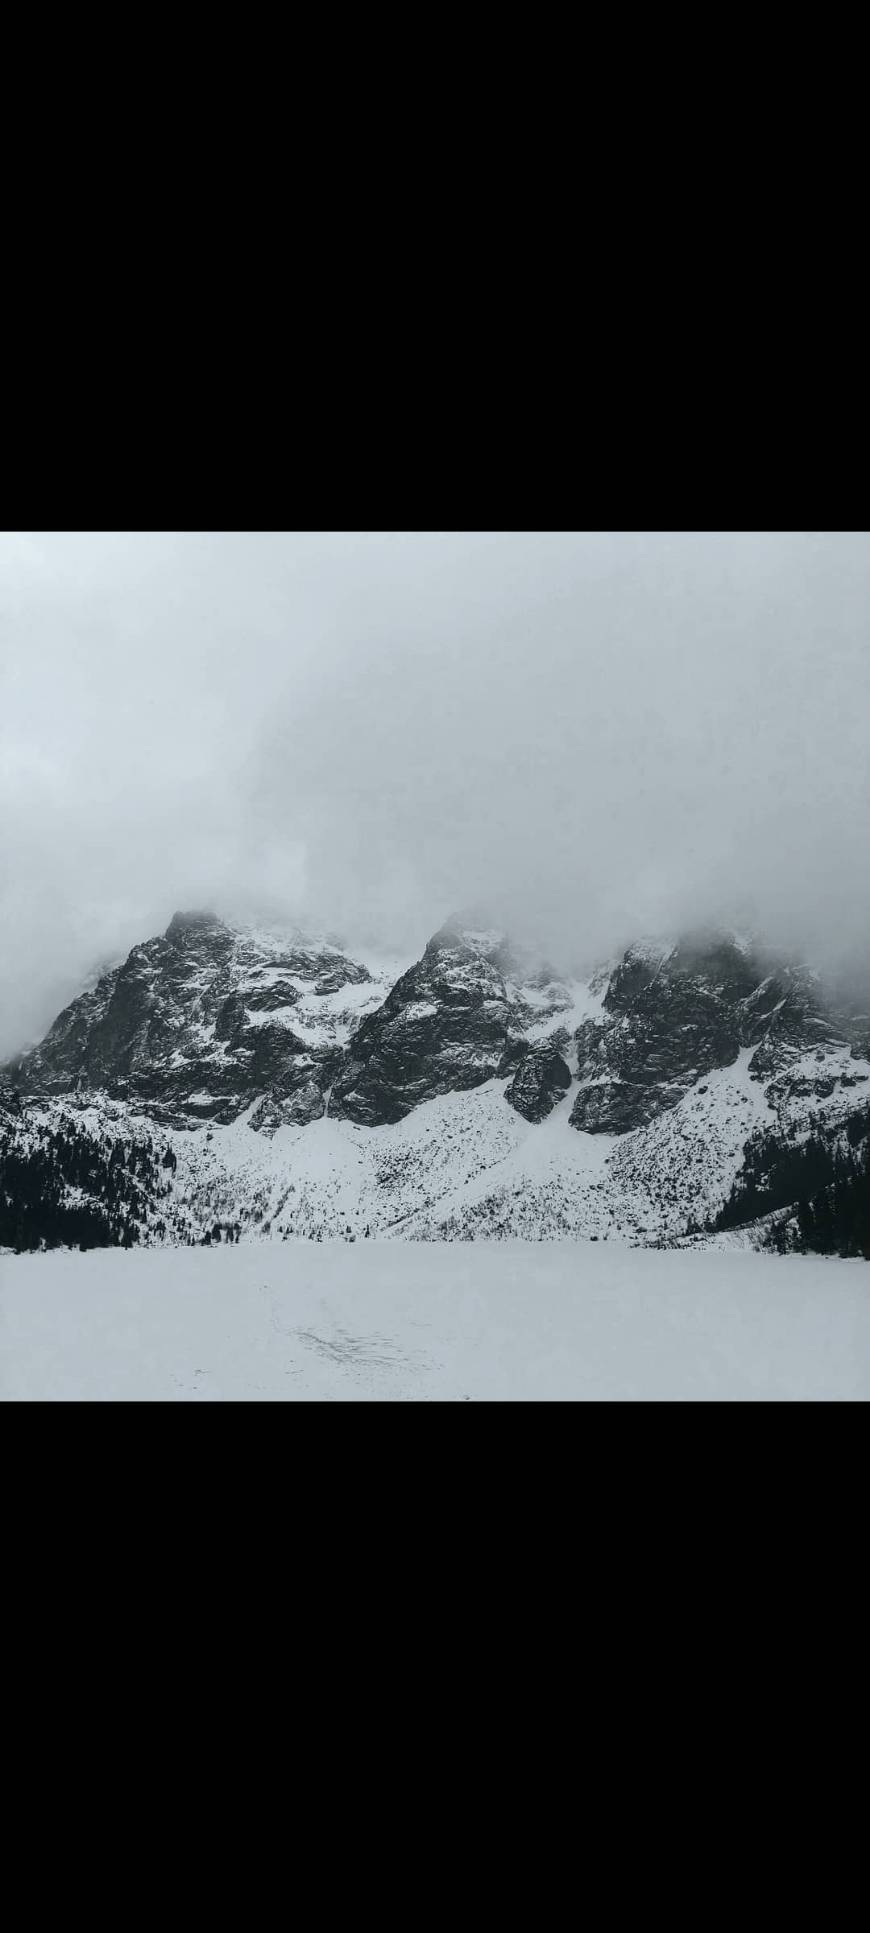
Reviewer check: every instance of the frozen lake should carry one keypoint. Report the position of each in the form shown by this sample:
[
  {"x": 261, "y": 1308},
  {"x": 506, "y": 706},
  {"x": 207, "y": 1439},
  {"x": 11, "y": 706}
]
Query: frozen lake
[{"x": 433, "y": 1322}]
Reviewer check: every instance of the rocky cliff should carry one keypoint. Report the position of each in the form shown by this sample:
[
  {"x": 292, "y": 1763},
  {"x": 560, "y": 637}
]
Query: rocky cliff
[
  {"x": 206, "y": 1020},
  {"x": 228, "y": 1078},
  {"x": 671, "y": 1016}
]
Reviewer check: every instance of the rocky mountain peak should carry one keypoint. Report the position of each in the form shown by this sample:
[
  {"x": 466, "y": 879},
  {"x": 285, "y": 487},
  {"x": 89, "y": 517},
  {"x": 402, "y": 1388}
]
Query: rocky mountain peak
[
  {"x": 673, "y": 1012},
  {"x": 185, "y": 926},
  {"x": 672, "y": 1055},
  {"x": 206, "y": 1019}
]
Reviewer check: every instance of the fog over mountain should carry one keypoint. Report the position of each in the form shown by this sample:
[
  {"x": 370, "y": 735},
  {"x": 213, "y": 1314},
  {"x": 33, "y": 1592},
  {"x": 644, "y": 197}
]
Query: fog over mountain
[{"x": 589, "y": 736}]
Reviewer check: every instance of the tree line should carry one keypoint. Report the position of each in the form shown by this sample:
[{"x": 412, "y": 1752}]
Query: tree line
[
  {"x": 44, "y": 1169},
  {"x": 836, "y": 1219},
  {"x": 824, "y": 1182}
]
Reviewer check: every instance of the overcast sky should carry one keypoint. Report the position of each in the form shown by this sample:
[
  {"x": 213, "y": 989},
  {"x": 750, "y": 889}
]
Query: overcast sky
[{"x": 600, "y": 733}]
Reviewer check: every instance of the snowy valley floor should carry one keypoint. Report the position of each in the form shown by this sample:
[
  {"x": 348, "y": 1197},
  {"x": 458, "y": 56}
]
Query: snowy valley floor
[{"x": 335, "y": 1321}]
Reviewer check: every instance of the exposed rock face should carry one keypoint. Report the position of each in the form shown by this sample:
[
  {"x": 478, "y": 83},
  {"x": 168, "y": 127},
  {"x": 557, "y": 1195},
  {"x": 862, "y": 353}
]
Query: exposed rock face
[
  {"x": 445, "y": 1026},
  {"x": 203, "y": 1021},
  {"x": 673, "y": 1016},
  {"x": 541, "y": 1080},
  {"x": 459, "y": 1017},
  {"x": 292, "y": 1101},
  {"x": 679, "y": 1058},
  {"x": 207, "y": 1021},
  {"x": 344, "y": 974}
]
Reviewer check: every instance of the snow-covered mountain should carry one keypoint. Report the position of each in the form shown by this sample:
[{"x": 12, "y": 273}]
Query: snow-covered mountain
[{"x": 227, "y": 1082}]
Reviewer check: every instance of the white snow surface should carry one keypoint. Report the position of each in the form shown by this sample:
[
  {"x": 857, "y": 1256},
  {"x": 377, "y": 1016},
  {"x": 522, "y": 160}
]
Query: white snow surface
[
  {"x": 372, "y": 1321},
  {"x": 465, "y": 1165}
]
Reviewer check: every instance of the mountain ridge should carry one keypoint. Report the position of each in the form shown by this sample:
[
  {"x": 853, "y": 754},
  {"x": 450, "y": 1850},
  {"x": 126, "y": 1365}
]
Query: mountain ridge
[{"x": 271, "y": 1083}]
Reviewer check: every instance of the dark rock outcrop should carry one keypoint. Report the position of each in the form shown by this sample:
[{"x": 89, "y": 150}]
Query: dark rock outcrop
[
  {"x": 207, "y": 1023},
  {"x": 672, "y": 1016},
  {"x": 541, "y": 1080},
  {"x": 444, "y": 1027},
  {"x": 195, "y": 1023}
]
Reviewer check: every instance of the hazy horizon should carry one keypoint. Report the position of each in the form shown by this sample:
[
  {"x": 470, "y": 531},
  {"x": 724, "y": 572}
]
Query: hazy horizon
[{"x": 595, "y": 735}]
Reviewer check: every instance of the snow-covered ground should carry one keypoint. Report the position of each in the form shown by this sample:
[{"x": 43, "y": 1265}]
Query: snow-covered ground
[{"x": 333, "y": 1321}]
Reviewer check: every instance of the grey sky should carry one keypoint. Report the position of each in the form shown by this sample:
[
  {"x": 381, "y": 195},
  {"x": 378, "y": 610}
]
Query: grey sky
[{"x": 599, "y": 733}]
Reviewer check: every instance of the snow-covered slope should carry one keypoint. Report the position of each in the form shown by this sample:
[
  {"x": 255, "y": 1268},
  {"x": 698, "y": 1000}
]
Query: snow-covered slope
[{"x": 234, "y": 1084}]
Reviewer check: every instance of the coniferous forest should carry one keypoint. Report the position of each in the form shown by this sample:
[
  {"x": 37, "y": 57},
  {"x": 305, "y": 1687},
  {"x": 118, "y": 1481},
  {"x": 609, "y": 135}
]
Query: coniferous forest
[
  {"x": 63, "y": 1188},
  {"x": 836, "y": 1220},
  {"x": 825, "y": 1183}
]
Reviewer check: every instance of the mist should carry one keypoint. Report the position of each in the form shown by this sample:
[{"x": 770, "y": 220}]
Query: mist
[{"x": 588, "y": 736}]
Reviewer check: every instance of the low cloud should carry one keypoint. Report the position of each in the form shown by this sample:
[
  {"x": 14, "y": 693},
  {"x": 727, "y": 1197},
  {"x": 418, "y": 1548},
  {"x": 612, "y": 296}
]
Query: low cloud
[{"x": 591, "y": 734}]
